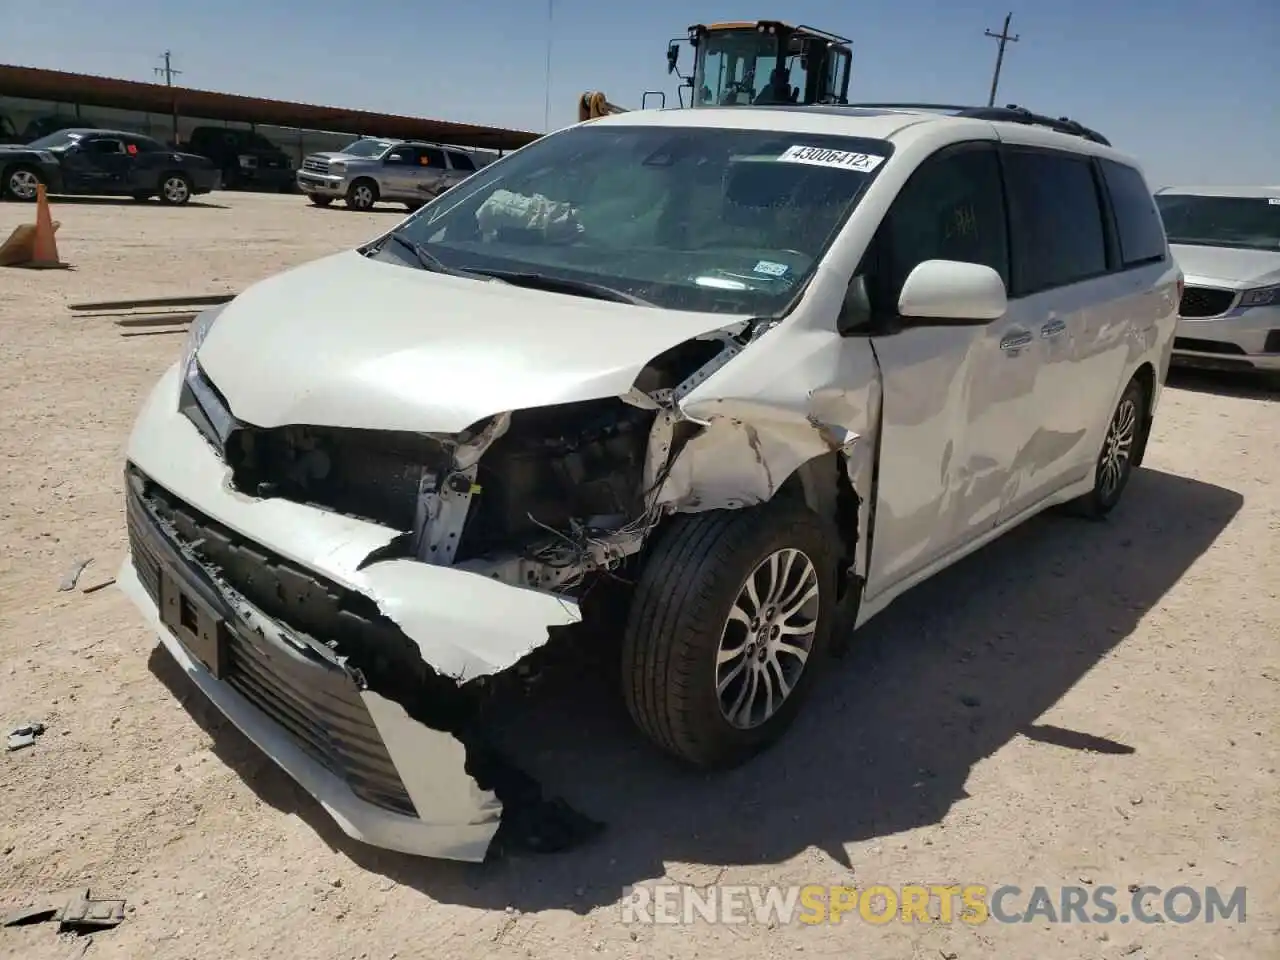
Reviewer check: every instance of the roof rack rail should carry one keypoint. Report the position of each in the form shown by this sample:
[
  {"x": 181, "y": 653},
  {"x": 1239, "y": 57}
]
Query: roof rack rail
[{"x": 1010, "y": 114}]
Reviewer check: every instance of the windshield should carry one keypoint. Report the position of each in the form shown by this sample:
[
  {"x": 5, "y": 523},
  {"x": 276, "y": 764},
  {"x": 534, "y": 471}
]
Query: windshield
[
  {"x": 739, "y": 67},
  {"x": 63, "y": 138},
  {"x": 367, "y": 148},
  {"x": 1249, "y": 222},
  {"x": 706, "y": 219}
]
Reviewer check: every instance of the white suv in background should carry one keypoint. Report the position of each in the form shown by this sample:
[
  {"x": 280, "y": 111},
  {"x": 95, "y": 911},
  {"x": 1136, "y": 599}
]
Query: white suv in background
[
  {"x": 755, "y": 371},
  {"x": 1227, "y": 241}
]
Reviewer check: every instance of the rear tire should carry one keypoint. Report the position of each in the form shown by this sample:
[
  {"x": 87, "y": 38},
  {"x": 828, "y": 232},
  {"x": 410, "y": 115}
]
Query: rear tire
[
  {"x": 1120, "y": 446},
  {"x": 691, "y": 617},
  {"x": 362, "y": 194},
  {"x": 175, "y": 189}
]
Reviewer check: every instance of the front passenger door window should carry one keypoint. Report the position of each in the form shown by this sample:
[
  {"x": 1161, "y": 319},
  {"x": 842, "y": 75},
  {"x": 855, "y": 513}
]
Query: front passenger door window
[{"x": 951, "y": 209}]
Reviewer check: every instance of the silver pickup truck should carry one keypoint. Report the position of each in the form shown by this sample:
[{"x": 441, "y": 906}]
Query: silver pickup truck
[{"x": 370, "y": 171}]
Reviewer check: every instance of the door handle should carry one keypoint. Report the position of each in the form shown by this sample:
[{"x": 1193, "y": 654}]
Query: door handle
[
  {"x": 1053, "y": 328},
  {"x": 1013, "y": 341}
]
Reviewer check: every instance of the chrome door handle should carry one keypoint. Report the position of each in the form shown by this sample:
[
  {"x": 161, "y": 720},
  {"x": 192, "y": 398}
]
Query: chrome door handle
[
  {"x": 1053, "y": 328},
  {"x": 1015, "y": 340}
]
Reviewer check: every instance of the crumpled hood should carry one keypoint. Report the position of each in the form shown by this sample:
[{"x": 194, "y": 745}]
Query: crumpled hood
[
  {"x": 351, "y": 342},
  {"x": 1228, "y": 266}
]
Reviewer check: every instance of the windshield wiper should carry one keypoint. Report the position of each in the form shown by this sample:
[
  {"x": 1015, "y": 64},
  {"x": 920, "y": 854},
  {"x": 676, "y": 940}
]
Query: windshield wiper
[
  {"x": 581, "y": 288},
  {"x": 429, "y": 261}
]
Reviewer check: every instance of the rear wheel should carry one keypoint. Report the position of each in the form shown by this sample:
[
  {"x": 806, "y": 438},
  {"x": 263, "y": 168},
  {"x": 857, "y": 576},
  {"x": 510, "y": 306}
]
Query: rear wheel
[
  {"x": 22, "y": 183},
  {"x": 727, "y": 630},
  {"x": 362, "y": 195},
  {"x": 175, "y": 189},
  {"x": 1120, "y": 446}
]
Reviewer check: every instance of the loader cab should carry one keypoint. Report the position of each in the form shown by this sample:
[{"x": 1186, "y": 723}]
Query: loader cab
[{"x": 762, "y": 62}]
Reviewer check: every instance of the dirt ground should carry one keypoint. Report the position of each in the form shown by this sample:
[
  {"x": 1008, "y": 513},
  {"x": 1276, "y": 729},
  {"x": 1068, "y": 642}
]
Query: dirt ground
[{"x": 1079, "y": 704}]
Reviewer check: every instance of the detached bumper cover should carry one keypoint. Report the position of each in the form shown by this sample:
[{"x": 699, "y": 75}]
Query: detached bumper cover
[{"x": 386, "y": 777}]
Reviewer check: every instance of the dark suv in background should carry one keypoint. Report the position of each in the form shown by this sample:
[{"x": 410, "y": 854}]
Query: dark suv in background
[{"x": 247, "y": 159}]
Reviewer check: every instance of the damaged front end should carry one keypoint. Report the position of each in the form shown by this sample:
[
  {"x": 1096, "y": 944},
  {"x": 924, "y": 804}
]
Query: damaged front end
[{"x": 354, "y": 599}]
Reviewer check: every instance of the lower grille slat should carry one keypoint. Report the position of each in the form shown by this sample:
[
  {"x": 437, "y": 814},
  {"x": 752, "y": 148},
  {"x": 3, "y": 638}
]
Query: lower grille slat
[{"x": 317, "y": 704}]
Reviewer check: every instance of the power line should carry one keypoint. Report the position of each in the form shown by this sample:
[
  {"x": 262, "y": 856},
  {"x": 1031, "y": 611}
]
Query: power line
[{"x": 1004, "y": 37}]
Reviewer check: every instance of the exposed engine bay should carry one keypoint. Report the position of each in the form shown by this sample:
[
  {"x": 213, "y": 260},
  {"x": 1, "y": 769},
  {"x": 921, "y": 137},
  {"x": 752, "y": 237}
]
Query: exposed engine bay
[{"x": 538, "y": 497}]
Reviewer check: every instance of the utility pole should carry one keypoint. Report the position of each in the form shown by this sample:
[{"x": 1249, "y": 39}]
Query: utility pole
[
  {"x": 169, "y": 73},
  {"x": 1004, "y": 37},
  {"x": 551, "y": 29}
]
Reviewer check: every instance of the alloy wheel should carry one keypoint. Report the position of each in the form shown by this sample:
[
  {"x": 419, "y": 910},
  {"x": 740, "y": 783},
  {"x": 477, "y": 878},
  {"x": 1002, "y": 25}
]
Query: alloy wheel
[{"x": 767, "y": 638}]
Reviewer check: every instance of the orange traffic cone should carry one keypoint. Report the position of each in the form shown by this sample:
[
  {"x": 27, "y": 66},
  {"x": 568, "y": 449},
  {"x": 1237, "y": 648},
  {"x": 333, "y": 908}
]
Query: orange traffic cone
[
  {"x": 34, "y": 245},
  {"x": 44, "y": 255}
]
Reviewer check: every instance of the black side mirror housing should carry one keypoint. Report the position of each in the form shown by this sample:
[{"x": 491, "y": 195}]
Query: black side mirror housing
[
  {"x": 673, "y": 56},
  {"x": 856, "y": 312}
]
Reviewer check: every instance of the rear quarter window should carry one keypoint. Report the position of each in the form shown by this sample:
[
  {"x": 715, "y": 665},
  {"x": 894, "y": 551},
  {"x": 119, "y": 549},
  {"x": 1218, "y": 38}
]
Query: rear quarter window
[
  {"x": 1138, "y": 225},
  {"x": 460, "y": 161}
]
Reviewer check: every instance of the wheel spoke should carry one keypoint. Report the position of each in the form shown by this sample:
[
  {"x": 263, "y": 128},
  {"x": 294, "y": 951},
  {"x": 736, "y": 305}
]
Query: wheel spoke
[
  {"x": 780, "y": 675},
  {"x": 800, "y": 653},
  {"x": 794, "y": 606},
  {"x": 740, "y": 712},
  {"x": 723, "y": 685},
  {"x": 768, "y": 623}
]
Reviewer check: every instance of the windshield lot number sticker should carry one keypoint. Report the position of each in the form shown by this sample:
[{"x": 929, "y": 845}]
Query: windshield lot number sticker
[
  {"x": 771, "y": 269},
  {"x": 822, "y": 157},
  {"x": 1274, "y": 201}
]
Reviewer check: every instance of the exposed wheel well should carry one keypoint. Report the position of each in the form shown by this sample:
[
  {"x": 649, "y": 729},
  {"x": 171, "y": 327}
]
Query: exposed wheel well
[
  {"x": 823, "y": 485},
  {"x": 1145, "y": 376}
]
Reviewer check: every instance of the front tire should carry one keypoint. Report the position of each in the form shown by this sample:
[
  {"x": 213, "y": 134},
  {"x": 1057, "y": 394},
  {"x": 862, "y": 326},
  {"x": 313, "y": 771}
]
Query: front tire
[
  {"x": 1120, "y": 446},
  {"x": 362, "y": 195},
  {"x": 175, "y": 189},
  {"x": 727, "y": 630},
  {"x": 22, "y": 183},
  {"x": 318, "y": 200}
]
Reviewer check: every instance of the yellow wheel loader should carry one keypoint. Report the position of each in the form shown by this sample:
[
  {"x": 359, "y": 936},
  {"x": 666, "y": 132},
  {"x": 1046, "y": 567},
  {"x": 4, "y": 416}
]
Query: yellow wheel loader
[{"x": 746, "y": 62}]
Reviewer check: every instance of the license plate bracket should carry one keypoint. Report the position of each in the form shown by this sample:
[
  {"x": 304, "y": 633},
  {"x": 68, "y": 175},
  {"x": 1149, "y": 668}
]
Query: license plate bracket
[{"x": 200, "y": 630}]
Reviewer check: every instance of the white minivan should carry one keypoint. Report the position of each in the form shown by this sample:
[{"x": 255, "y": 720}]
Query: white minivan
[{"x": 750, "y": 372}]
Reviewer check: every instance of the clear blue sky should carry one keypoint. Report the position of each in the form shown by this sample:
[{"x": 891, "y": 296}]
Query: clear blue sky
[{"x": 1191, "y": 87}]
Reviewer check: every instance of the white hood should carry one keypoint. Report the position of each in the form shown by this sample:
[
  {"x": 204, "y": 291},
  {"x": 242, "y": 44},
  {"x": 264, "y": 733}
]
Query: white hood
[
  {"x": 1228, "y": 266},
  {"x": 351, "y": 342}
]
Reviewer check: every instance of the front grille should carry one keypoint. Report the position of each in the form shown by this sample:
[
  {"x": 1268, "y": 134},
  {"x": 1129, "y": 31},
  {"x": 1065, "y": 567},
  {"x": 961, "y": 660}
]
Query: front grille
[
  {"x": 317, "y": 704},
  {"x": 1205, "y": 346},
  {"x": 311, "y": 165},
  {"x": 1201, "y": 302}
]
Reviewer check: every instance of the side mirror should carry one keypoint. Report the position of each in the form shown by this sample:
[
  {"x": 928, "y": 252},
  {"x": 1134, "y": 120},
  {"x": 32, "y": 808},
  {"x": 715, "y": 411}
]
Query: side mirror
[
  {"x": 947, "y": 292},
  {"x": 673, "y": 56}
]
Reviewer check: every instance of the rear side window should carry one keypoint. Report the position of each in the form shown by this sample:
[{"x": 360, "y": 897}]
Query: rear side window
[
  {"x": 1138, "y": 225},
  {"x": 1058, "y": 233},
  {"x": 431, "y": 157},
  {"x": 461, "y": 161}
]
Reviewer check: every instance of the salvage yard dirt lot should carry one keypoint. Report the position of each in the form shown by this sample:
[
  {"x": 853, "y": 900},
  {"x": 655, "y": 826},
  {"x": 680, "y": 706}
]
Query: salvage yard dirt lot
[{"x": 1079, "y": 704}]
